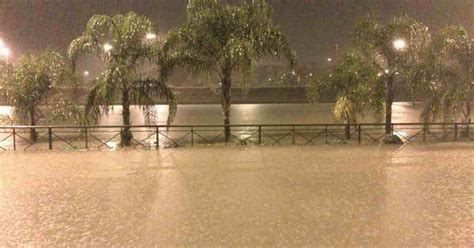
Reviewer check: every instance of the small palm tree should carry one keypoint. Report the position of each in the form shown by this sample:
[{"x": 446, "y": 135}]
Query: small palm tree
[
  {"x": 124, "y": 43},
  {"x": 35, "y": 89},
  {"x": 357, "y": 88},
  {"x": 222, "y": 40}
]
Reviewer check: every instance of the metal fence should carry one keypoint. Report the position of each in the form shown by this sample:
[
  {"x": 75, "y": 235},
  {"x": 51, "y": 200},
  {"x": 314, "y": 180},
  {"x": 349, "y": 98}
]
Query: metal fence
[{"x": 154, "y": 137}]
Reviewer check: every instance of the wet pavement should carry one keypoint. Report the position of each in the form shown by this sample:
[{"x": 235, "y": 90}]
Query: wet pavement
[{"x": 235, "y": 196}]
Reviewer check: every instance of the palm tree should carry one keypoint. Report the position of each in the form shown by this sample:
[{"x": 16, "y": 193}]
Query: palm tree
[
  {"x": 124, "y": 43},
  {"x": 35, "y": 90},
  {"x": 222, "y": 40},
  {"x": 450, "y": 87},
  {"x": 393, "y": 47},
  {"x": 357, "y": 88},
  {"x": 6, "y": 68}
]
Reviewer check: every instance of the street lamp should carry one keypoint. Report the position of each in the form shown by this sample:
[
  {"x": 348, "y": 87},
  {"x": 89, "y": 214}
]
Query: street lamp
[
  {"x": 86, "y": 73},
  {"x": 4, "y": 51},
  {"x": 400, "y": 44}
]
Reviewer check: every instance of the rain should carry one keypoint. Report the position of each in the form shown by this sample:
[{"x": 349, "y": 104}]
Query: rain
[{"x": 236, "y": 123}]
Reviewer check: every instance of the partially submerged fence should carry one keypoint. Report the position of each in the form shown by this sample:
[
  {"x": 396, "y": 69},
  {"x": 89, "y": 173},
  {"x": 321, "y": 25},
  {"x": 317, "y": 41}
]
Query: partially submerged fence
[{"x": 151, "y": 137}]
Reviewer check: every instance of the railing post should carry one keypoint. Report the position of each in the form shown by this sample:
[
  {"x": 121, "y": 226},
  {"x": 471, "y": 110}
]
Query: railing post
[
  {"x": 50, "y": 138},
  {"x": 14, "y": 139},
  {"x": 424, "y": 133},
  {"x": 157, "y": 137},
  {"x": 293, "y": 137},
  {"x": 359, "y": 134},
  {"x": 468, "y": 130},
  {"x": 259, "y": 135},
  {"x": 455, "y": 132},
  {"x": 326, "y": 134},
  {"x": 192, "y": 136},
  {"x": 87, "y": 137}
]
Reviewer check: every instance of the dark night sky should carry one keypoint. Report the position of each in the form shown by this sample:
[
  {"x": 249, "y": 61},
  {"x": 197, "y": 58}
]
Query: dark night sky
[{"x": 313, "y": 26}]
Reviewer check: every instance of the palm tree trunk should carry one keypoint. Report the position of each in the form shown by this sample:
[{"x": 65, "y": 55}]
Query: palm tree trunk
[
  {"x": 33, "y": 133},
  {"x": 388, "y": 104},
  {"x": 347, "y": 130},
  {"x": 226, "y": 84},
  {"x": 126, "y": 135},
  {"x": 467, "y": 115}
]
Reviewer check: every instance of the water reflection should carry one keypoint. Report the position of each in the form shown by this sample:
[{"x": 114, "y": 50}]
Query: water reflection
[{"x": 210, "y": 114}]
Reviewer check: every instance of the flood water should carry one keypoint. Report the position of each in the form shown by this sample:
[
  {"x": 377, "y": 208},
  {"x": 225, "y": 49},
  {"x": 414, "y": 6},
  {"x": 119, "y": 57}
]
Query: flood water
[
  {"x": 342, "y": 196},
  {"x": 210, "y": 114}
]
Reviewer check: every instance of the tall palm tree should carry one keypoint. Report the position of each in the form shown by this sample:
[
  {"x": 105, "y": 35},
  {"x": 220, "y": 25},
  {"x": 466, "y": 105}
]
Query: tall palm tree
[
  {"x": 393, "y": 47},
  {"x": 222, "y": 40},
  {"x": 124, "y": 43},
  {"x": 357, "y": 88},
  {"x": 450, "y": 87}
]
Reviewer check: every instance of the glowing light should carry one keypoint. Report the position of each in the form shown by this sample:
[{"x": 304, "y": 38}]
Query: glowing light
[
  {"x": 107, "y": 47},
  {"x": 329, "y": 59},
  {"x": 387, "y": 71},
  {"x": 150, "y": 36},
  {"x": 400, "y": 44},
  {"x": 4, "y": 52},
  {"x": 86, "y": 73}
]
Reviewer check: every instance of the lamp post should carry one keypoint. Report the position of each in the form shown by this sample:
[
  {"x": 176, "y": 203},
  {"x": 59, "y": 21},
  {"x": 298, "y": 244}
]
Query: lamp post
[{"x": 399, "y": 45}]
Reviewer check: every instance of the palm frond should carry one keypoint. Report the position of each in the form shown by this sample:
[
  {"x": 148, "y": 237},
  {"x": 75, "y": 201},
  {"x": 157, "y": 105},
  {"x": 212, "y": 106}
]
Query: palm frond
[{"x": 144, "y": 92}]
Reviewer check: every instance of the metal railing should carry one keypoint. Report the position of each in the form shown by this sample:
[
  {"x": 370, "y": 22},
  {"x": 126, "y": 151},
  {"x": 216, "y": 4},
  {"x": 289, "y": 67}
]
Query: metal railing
[{"x": 159, "y": 136}]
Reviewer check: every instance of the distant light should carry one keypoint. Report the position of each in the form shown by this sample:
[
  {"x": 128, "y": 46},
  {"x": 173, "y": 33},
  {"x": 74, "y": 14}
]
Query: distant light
[
  {"x": 396, "y": 73},
  {"x": 329, "y": 59},
  {"x": 387, "y": 71},
  {"x": 379, "y": 74},
  {"x": 107, "y": 47},
  {"x": 86, "y": 73},
  {"x": 311, "y": 74},
  {"x": 400, "y": 44},
  {"x": 150, "y": 36}
]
